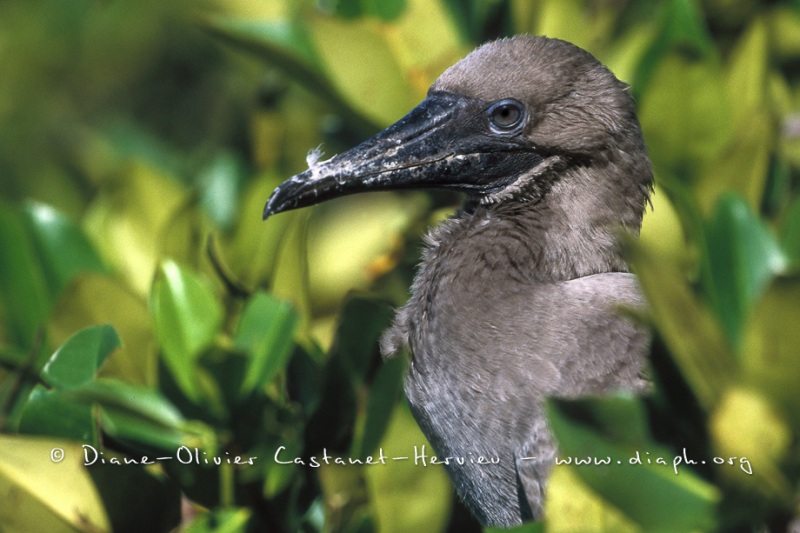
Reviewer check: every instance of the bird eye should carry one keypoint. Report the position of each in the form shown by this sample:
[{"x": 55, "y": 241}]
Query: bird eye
[{"x": 506, "y": 115}]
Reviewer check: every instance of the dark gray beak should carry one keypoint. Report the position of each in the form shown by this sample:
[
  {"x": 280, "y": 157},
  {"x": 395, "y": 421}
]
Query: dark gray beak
[{"x": 445, "y": 142}]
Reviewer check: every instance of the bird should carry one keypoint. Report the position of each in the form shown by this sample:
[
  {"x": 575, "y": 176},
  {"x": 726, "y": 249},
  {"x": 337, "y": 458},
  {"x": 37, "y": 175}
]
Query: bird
[{"x": 517, "y": 296}]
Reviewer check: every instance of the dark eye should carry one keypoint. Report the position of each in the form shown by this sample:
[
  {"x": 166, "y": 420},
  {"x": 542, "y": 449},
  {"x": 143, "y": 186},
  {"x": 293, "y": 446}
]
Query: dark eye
[{"x": 506, "y": 115}]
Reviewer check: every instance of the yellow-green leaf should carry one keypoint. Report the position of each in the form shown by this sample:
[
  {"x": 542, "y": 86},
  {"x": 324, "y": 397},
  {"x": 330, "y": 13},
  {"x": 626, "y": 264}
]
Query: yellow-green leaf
[
  {"x": 746, "y": 427},
  {"x": 685, "y": 128},
  {"x": 770, "y": 344},
  {"x": 187, "y": 317},
  {"x": 405, "y": 496},
  {"x": 128, "y": 218},
  {"x": 742, "y": 166},
  {"x": 573, "y": 507},
  {"x": 92, "y": 299},
  {"x": 349, "y": 241},
  {"x": 646, "y": 491},
  {"x": 45, "y": 487},
  {"x": 747, "y": 72},
  {"x": 362, "y": 66},
  {"x": 688, "y": 328}
]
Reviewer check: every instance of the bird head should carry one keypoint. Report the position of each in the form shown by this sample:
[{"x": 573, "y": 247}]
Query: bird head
[{"x": 503, "y": 124}]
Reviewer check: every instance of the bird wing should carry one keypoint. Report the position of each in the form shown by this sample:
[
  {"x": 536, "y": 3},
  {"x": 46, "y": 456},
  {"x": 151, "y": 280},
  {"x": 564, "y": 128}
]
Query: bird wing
[
  {"x": 600, "y": 351},
  {"x": 579, "y": 329},
  {"x": 479, "y": 380}
]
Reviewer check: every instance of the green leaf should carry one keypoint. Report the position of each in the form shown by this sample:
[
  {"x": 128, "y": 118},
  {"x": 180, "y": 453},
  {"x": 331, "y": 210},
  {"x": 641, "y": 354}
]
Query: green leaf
[
  {"x": 650, "y": 494},
  {"x": 49, "y": 412},
  {"x": 221, "y": 181},
  {"x": 331, "y": 424},
  {"x": 747, "y": 75},
  {"x": 352, "y": 243},
  {"x": 402, "y": 494},
  {"x": 128, "y": 219},
  {"x": 124, "y": 426},
  {"x": 286, "y": 45},
  {"x": 185, "y": 239},
  {"x": 23, "y": 289},
  {"x": 123, "y": 397},
  {"x": 76, "y": 361},
  {"x": 472, "y": 17},
  {"x": 348, "y": 9},
  {"x": 784, "y": 29},
  {"x": 278, "y": 476},
  {"x": 684, "y": 25},
  {"x": 571, "y": 505},
  {"x": 290, "y": 272},
  {"x": 252, "y": 250},
  {"x": 685, "y": 129},
  {"x": 742, "y": 166},
  {"x": 305, "y": 378},
  {"x": 661, "y": 226},
  {"x": 278, "y": 40},
  {"x": 426, "y": 41},
  {"x": 354, "y": 352},
  {"x": 265, "y": 333},
  {"x": 621, "y": 418},
  {"x": 187, "y": 317},
  {"x": 45, "y": 487},
  {"x": 742, "y": 257},
  {"x": 383, "y": 395},
  {"x": 746, "y": 425},
  {"x": 682, "y": 28},
  {"x": 62, "y": 247},
  {"x": 770, "y": 344},
  {"x": 777, "y": 193},
  {"x": 95, "y": 298},
  {"x": 693, "y": 337},
  {"x": 563, "y": 18},
  {"x": 220, "y": 521},
  {"x": 143, "y": 489},
  {"x": 361, "y": 324},
  {"x": 790, "y": 233},
  {"x": 625, "y": 54},
  {"x": 142, "y": 416},
  {"x": 387, "y": 10},
  {"x": 357, "y": 58}
]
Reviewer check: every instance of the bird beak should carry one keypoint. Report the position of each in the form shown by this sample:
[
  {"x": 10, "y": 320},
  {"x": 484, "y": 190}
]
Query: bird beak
[{"x": 444, "y": 142}]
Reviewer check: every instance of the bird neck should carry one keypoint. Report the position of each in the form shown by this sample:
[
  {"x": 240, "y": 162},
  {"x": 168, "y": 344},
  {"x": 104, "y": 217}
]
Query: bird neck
[
  {"x": 569, "y": 233},
  {"x": 486, "y": 253}
]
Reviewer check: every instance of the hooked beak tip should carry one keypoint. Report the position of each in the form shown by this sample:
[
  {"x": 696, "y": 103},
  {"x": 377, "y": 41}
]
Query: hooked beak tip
[{"x": 270, "y": 208}]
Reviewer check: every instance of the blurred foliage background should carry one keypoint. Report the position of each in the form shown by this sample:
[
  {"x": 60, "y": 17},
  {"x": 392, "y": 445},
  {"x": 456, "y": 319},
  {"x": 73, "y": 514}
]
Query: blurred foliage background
[{"x": 146, "y": 309}]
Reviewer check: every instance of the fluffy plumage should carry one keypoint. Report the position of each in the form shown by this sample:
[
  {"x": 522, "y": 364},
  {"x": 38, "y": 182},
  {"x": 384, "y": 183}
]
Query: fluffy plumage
[{"x": 516, "y": 297}]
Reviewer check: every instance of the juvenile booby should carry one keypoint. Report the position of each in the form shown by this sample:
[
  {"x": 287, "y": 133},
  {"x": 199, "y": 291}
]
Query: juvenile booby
[{"x": 517, "y": 294}]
